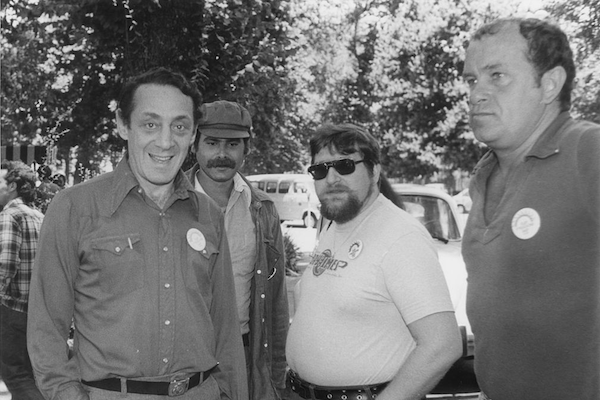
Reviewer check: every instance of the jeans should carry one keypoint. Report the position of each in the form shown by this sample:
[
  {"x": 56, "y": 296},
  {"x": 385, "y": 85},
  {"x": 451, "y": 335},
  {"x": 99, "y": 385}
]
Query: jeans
[{"x": 15, "y": 366}]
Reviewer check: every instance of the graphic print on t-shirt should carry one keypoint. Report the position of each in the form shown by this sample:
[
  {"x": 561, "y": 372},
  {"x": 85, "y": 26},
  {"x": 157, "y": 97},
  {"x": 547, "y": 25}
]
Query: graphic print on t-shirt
[{"x": 325, "y": 262}]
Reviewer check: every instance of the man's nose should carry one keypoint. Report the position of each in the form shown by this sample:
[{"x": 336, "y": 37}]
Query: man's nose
[
  {"x": 222, "y": 149},
  {"x": 165, "y": 138},
  {"x": 332, "y": 175},
  {"x": 478, "y": 94}
]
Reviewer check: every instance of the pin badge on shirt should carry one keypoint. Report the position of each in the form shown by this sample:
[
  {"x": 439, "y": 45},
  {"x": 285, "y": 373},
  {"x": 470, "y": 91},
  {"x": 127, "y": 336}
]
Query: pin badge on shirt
[
  {"x": 355, "y": 249},
  {"x": 526, "y": 223},
  {"x": 196, "y": 239}
]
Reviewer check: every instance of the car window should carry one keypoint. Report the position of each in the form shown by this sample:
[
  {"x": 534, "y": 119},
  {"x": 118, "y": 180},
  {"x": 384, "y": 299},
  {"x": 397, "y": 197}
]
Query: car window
[
  {"x": 434, "y": 213},
  {"x": 284, "y": 186},
  {"x": 300, "y": 187},
  {"x": 271, "y": 187}
]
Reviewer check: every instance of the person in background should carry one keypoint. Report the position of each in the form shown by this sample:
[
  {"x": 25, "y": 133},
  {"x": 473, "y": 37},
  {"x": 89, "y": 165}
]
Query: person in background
[
  {"x": 19, "y": 230},
  {"x": 374, "y": 316},
  {"x": 60, "y": 180},
  {"x": 140, "y": 261},
  {"x": 532, "y": 239},
  {"x": 255, "y": 241},
  {"x": 47, "y": 189}
]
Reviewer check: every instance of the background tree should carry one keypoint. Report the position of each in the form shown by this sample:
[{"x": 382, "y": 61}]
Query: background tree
[
  {"x": 391, "y": 65},
  {"x": 581, "y": 18},
  {"x": 234, "y": 50},
  {"x": 396, "y": 69}
]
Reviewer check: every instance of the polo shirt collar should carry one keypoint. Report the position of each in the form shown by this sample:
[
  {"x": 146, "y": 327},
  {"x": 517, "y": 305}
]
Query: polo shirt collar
[{"x": 549, "y": 142}]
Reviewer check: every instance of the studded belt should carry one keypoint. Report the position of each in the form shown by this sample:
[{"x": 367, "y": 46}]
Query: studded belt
[
  {"x": 175, "y": 387},
  {"x": 307, "y": 390}
]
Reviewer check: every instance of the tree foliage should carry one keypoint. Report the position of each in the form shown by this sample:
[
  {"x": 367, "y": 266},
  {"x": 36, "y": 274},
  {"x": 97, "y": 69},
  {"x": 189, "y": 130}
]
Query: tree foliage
[
  {"x": 394, "y": 67},
  {"x": 391, "y": 65},
  {"x": 234, "y": 50}
]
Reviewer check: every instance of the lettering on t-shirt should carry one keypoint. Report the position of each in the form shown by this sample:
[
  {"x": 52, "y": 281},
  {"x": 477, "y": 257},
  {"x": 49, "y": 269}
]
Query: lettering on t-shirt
[{"x": 325, "y": 261}]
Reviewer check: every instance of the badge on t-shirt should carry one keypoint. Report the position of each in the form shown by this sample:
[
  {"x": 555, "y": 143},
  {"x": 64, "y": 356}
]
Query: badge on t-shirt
[
  {"x": 196, "y": 239},
  {"x": 526, "y": 223},
  {"x": 355, "y": 249}
]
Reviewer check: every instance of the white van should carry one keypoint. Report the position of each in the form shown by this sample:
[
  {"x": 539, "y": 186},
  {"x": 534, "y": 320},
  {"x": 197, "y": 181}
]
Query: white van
[{"x": 293, "y": 194}]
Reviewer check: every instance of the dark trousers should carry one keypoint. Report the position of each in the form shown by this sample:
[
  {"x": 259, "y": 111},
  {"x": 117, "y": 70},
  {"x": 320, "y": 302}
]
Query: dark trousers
[{"x": 15, "y": 366}]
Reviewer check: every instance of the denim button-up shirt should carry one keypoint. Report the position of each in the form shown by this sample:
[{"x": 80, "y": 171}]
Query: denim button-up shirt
[{"x": 150, "y": 290}]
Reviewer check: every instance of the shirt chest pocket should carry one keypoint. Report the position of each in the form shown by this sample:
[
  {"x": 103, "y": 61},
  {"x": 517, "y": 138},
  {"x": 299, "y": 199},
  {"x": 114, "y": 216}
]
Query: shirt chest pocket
[
  {"x": 120, "y": 263},
  {"x": 198, "y": 268}
]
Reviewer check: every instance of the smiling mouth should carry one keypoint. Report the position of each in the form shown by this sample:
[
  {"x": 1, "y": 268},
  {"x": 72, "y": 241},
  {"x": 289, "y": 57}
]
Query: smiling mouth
[{"x": 161, "y": 159}]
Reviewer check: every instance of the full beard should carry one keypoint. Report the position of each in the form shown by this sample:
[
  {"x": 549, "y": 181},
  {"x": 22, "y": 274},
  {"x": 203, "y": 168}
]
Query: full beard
[{"x": 341, "y": 213}]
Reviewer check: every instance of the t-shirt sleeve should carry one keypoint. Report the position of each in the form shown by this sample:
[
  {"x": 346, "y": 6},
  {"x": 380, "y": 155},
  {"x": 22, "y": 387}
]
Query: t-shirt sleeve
[{"x": 414, "y": 278}]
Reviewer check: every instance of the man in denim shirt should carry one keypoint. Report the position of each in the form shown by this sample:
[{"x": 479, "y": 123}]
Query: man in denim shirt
[{"x": 140, "y": 262}]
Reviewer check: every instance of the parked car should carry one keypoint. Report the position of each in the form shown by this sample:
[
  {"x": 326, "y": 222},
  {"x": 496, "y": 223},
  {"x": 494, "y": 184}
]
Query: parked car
[
  {"x": 463, "y": 201},
  {"x": 438, "y": 212},
  {"x": 294, "y": 196}
]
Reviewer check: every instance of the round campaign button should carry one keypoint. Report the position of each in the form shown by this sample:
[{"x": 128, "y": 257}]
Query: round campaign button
[
  {"x": 526, "y": 223},
  {"x": 355, "y": 249},
  {"x": 196, "y": 239}
]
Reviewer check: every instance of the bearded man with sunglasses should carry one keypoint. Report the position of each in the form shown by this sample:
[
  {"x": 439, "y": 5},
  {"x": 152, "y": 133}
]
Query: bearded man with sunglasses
[{"x": 373, "y": 316}]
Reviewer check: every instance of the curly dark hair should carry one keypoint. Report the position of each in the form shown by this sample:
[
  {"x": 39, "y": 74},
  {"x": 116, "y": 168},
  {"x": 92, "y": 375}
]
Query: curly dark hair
[
  {"x": 548, "y": 48},
  {"x": 25, "y": 179}
]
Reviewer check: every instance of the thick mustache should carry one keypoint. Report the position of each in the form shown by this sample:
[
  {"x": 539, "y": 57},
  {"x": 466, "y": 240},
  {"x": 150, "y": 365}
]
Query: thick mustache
[
  {"x": 336, "y": 190},
  {"x": 221, "y": 163}
]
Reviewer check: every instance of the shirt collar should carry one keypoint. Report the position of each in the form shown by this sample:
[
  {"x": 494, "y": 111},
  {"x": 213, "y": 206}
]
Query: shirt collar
[
  {"x": 17, "y": 201},
  {"x": 549, "y": 142},
  {"x": 125, "y": 181},
  {"x": 239, "y": 185}
]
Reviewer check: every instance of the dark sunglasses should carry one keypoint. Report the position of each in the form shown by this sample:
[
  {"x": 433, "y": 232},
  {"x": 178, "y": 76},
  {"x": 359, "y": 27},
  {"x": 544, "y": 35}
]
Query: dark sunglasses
[{"x": 345, "y": 166}]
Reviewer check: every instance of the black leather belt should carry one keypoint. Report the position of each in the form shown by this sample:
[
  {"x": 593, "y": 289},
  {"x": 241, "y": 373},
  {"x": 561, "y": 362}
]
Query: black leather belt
[
  {"x": 307, "y": 390},
  {"x": 176, "y": 387}
]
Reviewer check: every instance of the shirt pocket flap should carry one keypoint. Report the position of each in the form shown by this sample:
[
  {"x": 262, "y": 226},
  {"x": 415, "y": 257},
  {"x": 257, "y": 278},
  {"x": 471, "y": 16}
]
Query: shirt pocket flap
[
  {"x": 209, "y": 250},
  {"x": 117, "y": 245}
]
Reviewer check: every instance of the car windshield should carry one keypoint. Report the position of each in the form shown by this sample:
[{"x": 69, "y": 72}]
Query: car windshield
[{"x": 434, "y": 213}]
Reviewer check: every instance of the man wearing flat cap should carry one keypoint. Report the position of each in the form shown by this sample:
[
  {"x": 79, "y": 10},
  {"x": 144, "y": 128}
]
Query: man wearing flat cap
[{"x": 255, "y": 241}]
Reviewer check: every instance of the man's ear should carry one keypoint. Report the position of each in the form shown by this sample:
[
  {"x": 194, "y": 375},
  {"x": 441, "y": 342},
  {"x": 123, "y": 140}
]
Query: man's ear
[
  {"x": 121, "y": 125},
  {"x": 12, "y": 186},
  {"x": 376, "y": 172},
  {"x": 552, "y": 83}
]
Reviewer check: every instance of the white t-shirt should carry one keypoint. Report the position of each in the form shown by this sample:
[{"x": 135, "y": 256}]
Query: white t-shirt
[{"x": 368, "y": 279}]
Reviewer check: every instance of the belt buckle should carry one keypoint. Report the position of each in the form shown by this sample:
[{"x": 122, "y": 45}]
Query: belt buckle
[{"x": 177, "y": 387}]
